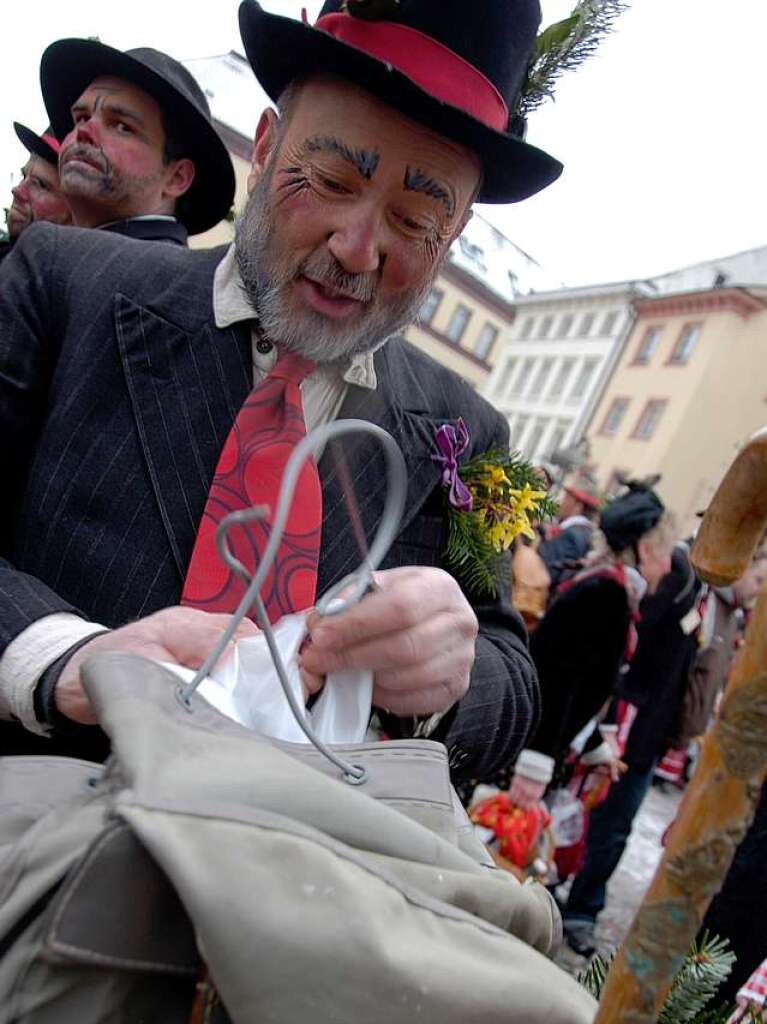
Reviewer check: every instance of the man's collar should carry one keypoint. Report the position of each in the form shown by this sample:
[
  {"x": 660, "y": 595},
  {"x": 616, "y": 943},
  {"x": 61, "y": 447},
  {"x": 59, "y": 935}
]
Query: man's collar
[
  {"x": 231, "y": 306},
  {"x": 141, "y": 216}
]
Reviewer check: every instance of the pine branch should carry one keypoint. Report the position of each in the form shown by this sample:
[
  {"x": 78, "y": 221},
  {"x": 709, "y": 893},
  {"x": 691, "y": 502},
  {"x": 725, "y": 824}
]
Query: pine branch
[
  {"x": 593, "y": 978},
  {"x": 705, "y": 967},
  {"x": 564, "y": 46}
]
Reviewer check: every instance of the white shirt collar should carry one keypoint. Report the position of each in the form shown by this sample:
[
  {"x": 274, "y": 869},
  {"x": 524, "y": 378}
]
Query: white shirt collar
[{"x": 231, "y": 306}]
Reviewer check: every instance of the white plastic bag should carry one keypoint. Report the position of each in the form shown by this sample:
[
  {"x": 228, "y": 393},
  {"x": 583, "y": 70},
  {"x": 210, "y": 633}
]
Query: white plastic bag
[{"x": 247, "y": 689}]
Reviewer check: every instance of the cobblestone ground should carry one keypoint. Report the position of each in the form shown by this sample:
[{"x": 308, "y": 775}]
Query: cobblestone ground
[{"x": 632, "y": 876}]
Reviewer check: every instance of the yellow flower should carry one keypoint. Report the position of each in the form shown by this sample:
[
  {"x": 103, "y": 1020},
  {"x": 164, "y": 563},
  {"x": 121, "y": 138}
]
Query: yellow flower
[
  {"x": 491, "y": 476},
  {"x": 526, "y": 499}
]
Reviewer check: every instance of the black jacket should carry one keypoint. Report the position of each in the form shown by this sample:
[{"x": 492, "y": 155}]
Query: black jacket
[
  {"x": 578, "y": 649},
  {"x": 117, "y": 392},
  {"x": 153, "y": 230},
  {"x": 657, "y": 676}
]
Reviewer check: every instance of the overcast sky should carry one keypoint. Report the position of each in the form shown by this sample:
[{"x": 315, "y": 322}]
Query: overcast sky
[{"x": 662, "y": 133}]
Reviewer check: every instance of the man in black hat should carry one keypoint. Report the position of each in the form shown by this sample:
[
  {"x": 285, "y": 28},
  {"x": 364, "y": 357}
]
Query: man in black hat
[
  {"x": 163, "y": 375},
  {"x": 38, "y": 195},
  {"x": 139, "y": 154}
]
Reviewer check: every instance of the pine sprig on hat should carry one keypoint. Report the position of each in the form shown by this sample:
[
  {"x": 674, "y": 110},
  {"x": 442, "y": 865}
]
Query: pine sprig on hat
[{"x": 564, "y": 46}]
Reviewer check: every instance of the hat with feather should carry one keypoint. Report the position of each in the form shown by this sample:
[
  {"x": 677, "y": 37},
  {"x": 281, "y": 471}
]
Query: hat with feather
[{"x": 459, "y": 69}]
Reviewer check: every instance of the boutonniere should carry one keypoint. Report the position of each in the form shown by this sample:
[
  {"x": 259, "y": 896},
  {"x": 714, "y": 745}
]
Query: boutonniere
[{"x": 490, "y": 499}]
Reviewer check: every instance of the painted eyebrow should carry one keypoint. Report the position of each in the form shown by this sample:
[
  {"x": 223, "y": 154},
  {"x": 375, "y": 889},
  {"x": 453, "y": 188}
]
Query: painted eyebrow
[
  {"x": 364, "y": 161},
  {"x": 113, "y": 108},
  {"x": 416, "y": 181}
]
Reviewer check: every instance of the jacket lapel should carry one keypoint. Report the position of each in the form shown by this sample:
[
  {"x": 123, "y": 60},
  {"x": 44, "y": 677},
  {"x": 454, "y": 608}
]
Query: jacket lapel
[
  {"x": 185, "y": 390},
  {"x": 407, "y": 418}
]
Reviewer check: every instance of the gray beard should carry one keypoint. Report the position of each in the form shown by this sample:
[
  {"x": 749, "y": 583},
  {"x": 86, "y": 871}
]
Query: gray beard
[{"x": 309, "y": 333}]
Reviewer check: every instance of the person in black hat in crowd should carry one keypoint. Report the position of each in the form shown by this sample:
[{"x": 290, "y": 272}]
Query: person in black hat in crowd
[
  {"x": 38, "y": 195},
  {"x": 385, "y": 134},
  {"x": 589, "y": 630},
  {"x": 568, "y": 542},
  {"x": 139, "y": 154},
  {"x": 655, "y": 684}
]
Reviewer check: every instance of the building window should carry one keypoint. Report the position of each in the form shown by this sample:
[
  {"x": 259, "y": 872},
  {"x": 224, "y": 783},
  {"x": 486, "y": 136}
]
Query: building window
[
  {"x": 647, "y": 346},
  {"x": 558, "y": 435},
  {"x": 458, "y": 323},
  {"x": 502, "y": 381},
  {"x": 545, "y": 329},
  {"x": 485, "y": 341},
  {"x": 608, "y": 324},
  {"x": 583, "y": 380},
  {"x": 587, "y": 322},
  {"x": 648, "y": 421},
  {"x": 541, "y": 377},
  {"x": 564, "y": 325},
  {"x": 523, "y": 377},
  {"x": 526, "y": 329},
  {"x": 539, "y": 428},
  {"x": 684, "y": 344},
  {"x": 520, "y": 426},
  {"x": 429, "y": 306},
  {"x": 561, "y": 378},
  {"x": 615, "y": 414}
]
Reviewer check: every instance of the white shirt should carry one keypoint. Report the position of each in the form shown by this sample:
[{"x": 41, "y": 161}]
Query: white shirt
[{"x": 322, "y": 393}]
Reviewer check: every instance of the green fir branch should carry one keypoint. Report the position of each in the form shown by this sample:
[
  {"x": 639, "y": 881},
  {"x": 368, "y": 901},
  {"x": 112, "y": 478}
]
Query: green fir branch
[
  {"x": 564, "y": 46},
  {"x": 706, "y": 966},
  {"x": 469, "y": 554}
]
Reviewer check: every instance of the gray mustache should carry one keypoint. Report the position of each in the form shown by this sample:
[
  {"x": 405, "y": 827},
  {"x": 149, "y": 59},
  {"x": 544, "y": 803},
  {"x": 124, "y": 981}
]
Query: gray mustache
[
  {"x": 91, "y": 156},
  {"x": 325, "y": 270}
]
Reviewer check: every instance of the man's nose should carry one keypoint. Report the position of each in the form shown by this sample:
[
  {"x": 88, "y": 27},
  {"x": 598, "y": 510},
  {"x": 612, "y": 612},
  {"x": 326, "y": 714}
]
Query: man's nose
[
  {"x": 356, "y": 242},
  {"x": 86, "y": 131},
  {"x": 21, "y": 191}
]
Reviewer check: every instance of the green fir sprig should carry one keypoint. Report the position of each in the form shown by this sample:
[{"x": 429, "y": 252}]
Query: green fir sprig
[
  {"x": 507, "y": 499},
  {"x": 564, "y": 46},
  {"x": 707, "y": 964}
]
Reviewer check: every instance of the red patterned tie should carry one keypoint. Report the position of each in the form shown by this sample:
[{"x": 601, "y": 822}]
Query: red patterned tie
[{"x": 249, "y": 472}]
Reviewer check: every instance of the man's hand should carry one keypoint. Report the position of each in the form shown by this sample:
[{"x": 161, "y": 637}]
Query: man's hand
[
  {"x": 182, "y": 635},
  {"x": 417, "y": 634}
]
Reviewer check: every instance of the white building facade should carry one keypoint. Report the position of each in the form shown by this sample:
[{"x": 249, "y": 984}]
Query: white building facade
[{"x": 556, "y": 361}]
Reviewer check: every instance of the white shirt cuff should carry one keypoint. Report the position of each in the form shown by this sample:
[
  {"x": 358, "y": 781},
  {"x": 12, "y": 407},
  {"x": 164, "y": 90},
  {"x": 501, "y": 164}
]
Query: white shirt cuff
[{"x": 29, "y": 654}]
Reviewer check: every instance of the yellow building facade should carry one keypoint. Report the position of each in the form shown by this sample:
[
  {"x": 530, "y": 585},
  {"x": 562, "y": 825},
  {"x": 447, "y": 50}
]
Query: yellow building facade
[{"x": 688, "y": 390}]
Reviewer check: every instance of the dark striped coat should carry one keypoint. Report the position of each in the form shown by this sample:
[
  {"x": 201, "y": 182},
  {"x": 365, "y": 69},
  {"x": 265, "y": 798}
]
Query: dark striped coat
[{"x": 117, "y": 392}]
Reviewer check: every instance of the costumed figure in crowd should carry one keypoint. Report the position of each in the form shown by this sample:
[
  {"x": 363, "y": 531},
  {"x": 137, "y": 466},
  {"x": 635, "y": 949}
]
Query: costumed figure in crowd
[
  {"x": 654, "y": 687},
  {"x": 724, "y": 614},
  {"x": 38, "y": 196},
  {"x": 567, "y": 543},
  {"x": 139, "y": 153},
  {"x": 589, "y": 631}
]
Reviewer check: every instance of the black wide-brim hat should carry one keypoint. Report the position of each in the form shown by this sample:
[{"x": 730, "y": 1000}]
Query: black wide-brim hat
[
  {"x": 453, "y": 66},
  {"x": 46, "y": 146},
  {"x": 68, "y": 67}
]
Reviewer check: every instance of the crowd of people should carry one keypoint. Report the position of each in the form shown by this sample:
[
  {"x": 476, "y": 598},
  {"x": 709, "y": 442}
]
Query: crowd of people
[
  {"x": 146, "y": 389},
  {"x": 633, "y": 652}
]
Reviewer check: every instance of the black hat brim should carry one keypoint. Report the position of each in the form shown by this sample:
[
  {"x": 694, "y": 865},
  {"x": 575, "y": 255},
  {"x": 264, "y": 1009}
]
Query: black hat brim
[
  {"x": 67, "y": 68},
  {"x": 36, "y": 144},
  {"x": 281, "y": 50}
]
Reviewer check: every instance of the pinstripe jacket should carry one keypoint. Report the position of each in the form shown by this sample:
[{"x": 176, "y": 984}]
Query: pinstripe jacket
[{"x": 117, "y": 392}]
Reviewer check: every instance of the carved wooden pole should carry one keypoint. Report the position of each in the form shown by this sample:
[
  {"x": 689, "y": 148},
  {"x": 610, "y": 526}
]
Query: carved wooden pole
[{"x": 719, "y": 803}]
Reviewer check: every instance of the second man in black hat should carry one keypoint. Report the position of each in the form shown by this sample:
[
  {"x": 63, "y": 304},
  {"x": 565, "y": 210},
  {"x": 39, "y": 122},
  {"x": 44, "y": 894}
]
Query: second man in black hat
[{"x": 139, "y": 154}]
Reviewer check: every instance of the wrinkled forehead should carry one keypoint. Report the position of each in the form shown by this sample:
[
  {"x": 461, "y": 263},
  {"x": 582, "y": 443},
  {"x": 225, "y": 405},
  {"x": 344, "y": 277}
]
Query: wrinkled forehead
[
  {"x": 119, "y": 90},
  {"x": 326, "y": 103}
]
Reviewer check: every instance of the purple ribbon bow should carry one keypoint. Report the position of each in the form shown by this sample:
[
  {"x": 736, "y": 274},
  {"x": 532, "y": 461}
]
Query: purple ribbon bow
[{"x": 452, "y": 441}]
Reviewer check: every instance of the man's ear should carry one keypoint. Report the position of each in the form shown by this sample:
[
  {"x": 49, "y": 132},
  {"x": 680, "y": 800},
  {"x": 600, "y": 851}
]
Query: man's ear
[
  {"x": 267, "y": 134},
  {"x": 179, "y": 179}
]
